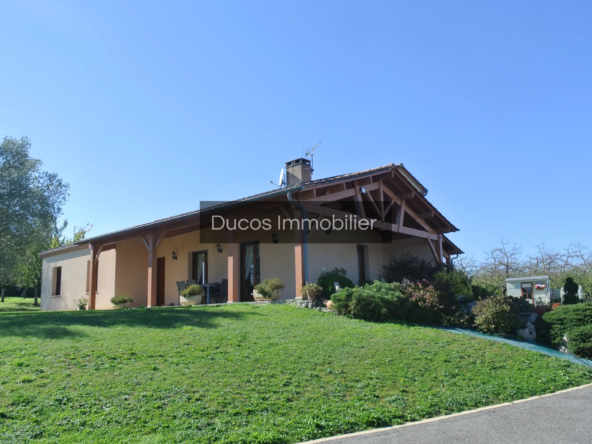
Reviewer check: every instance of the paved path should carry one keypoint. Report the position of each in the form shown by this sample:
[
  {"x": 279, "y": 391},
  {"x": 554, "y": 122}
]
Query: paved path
[{"x": 561, "y": 418}]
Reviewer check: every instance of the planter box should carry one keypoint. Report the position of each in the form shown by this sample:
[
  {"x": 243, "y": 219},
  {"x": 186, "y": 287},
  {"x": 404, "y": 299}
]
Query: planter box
[
  {"x": 191, "y": 300},
  {"x": 274, "y": 296},
  {"x": 125, "y": 305}
]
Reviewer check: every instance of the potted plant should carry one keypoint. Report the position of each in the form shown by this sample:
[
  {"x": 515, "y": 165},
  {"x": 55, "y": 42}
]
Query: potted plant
[
  {"x": 122, "y": 301},
  {"x": 311, "y": 291},
  {"x": 268, "y": 290},
  {"x": 191, "y": 295},
  {"x": 81, "y": 304}
]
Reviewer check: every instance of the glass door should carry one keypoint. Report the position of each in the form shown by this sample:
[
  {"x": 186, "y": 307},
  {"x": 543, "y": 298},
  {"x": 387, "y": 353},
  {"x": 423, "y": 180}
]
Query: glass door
[
  {"x": 199, "y": 267},
  {"x": 249, "y": 273}
]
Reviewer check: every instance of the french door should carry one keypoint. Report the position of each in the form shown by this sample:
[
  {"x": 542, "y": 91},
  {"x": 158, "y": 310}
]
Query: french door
[
  {"x": 199, "y": 267},
  {"x": 250, "y": 274}
]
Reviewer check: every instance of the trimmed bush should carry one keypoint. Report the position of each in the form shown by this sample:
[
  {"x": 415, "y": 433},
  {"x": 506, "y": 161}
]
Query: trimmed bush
[
  {"x": 580, "y": 341},
  {"x": 497, "y": 314},
  {"x": 268, "y": 286},
  {"x": 377, "y": 302},
  {"x": 192, "y": 290},
  {"x": 121, "y": 299},
  {"x": 410, "y": 267},
  {"x": 328, "y": 278},
  {"x": 566, "y": 319},
  {"x": 459, "y": 283},
  {"x": 571, "y": 291}
]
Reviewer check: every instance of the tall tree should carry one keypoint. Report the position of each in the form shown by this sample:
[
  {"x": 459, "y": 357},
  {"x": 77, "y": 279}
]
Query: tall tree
[{"x": 31, "y": 202}]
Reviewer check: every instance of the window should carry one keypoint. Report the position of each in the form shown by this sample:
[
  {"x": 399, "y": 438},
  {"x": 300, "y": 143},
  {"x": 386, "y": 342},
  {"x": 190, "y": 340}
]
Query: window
[
  {"x": 526, "y": 288},
  {"x": 57, "y": 281}
]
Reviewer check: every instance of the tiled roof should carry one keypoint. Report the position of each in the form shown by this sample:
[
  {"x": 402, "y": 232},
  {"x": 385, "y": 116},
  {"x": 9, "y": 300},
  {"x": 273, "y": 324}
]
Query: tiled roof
[{"x": 327, "y": 180}]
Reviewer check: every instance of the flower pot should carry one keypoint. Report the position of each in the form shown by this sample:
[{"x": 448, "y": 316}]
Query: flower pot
[
  {"x": 275, "y": 295},
  {"x": 81, "y": 308},
  {"x": 124, "y": 305},
  {"x": 314, "y": 297},
  {"x": 191, "y": 300}
]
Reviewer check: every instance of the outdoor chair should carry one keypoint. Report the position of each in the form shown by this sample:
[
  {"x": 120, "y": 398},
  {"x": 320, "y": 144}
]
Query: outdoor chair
[
  {"x": 181, "y": 285},
  {"x": 221, "y": 293},
  {"x": 191, "y": 282}
]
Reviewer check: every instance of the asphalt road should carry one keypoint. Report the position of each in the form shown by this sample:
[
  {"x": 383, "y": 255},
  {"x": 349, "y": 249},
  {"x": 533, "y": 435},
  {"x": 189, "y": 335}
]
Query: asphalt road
[{"x": 560, "y": 418}]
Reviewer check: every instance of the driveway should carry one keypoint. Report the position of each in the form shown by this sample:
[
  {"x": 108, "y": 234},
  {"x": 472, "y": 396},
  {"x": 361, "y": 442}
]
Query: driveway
[{"x": 560, "y": 418}]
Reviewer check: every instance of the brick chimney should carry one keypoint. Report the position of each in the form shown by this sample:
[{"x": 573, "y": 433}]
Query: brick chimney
[{"x": 298, "y": 171}]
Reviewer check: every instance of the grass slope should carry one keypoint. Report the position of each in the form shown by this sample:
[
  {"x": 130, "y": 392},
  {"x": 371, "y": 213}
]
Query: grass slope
[
  {"x": 12, "y": 304},
  {"x": 245, "y": 373}
]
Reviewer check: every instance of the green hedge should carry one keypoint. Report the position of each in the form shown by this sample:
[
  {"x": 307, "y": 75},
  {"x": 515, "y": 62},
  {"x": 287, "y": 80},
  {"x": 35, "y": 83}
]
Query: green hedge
[
  {"x": 377, "y": 302},
  {"x": 573, "y": 320}
]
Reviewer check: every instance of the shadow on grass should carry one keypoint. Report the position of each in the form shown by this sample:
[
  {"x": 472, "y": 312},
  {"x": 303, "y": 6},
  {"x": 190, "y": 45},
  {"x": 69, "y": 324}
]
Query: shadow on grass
[{"x": 58, "y": 325}]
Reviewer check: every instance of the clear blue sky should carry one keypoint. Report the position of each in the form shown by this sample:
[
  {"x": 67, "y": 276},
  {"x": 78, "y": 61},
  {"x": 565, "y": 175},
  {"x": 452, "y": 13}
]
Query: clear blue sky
[{"x": 146, "y": 108}]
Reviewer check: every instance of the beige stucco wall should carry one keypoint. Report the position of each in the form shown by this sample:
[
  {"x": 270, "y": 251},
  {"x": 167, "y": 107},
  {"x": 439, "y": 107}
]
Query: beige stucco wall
[
  {"x": 131, "y": 275},
  {"x": 74, "y": 265},
  {"x": 106, "y": 279},
  {"x": 74, "y": 279},
  {"x": 124, "y": 270}
]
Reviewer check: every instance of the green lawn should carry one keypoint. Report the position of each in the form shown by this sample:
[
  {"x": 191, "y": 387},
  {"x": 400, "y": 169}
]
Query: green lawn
[
  {"x": 245, "y": 373},
  {"x": 12, "y": 304}
]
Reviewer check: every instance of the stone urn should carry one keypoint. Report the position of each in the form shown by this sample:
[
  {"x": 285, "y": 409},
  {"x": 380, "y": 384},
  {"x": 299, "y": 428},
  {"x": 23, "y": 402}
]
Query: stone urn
[
  {"x": 190, "y": 300},
  {"x": 275, "y": 295},
  {"x": 124, "y": 305}
]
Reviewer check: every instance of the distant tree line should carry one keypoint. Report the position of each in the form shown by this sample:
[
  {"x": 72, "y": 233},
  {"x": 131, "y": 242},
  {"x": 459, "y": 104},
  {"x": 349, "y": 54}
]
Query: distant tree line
[{"x": 507, "y": 260}]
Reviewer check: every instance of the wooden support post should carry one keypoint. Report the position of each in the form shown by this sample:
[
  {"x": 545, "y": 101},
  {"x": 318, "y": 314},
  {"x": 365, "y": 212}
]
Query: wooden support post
[
  {"x": 233, "y": 266},
  {"x": 298, "y": 257},
  {"x": 439, "y": 248},
  {"x": 401, "y": 214},
  {"x": 152, "y": 241},
  {"x": 93, "y": 278}
]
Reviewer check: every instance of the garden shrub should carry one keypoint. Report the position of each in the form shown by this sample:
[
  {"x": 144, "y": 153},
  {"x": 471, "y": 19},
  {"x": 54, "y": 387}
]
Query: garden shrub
[
  {"x": 497, "y": 314},
  {"x": 377, "y": 302},
  {"x": 482, "y": 291},
  {"x": 522, "y": 305},
  {"x": 121, "y": 299},
  {"x": 192, "y": 290},
  {"x": 566, "y": 319},
  {"x": 408, "y": 266},
  {"x": 429, "y": 306},
  {"x": 459, "y": 283},
  {"x": 571, "y": 291},
  {"x": 268, "y": 286},
  {"x": 328, "y": 278},
  {"x": 580, "y": 341}
]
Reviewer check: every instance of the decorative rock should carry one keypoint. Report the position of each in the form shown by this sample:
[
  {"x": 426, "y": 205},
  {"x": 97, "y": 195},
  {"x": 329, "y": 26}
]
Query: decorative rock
[
  {"x": 528, "y": 333},
  {"x": 533, "y": 317}
]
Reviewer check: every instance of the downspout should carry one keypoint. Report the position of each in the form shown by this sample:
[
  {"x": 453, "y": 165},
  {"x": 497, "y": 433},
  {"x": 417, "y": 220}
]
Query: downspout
[{"x": 304, "y": 233}]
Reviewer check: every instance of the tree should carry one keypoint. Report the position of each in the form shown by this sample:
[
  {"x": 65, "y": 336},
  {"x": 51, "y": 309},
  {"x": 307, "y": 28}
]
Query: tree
[{"x": 31, "y": 202}]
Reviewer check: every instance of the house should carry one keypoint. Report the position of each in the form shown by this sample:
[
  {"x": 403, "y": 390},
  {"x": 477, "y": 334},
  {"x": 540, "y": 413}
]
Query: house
[
  {"x": 384, "y": 211},
  {"x": 535, "y": 289}
]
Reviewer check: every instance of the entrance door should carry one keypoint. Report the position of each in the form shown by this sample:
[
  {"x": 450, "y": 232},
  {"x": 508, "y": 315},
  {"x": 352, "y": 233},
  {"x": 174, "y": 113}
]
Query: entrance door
[
  {"x": 527, "y": 291},
  {"x": 249, "y": 271},
  {"x": 160, "y": 281},
  {"x": 199, "y": 267}
]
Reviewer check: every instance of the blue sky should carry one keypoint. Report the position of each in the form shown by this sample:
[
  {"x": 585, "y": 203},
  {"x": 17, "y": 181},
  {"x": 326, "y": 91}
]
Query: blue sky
[{"x": 146, "y": 108}]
